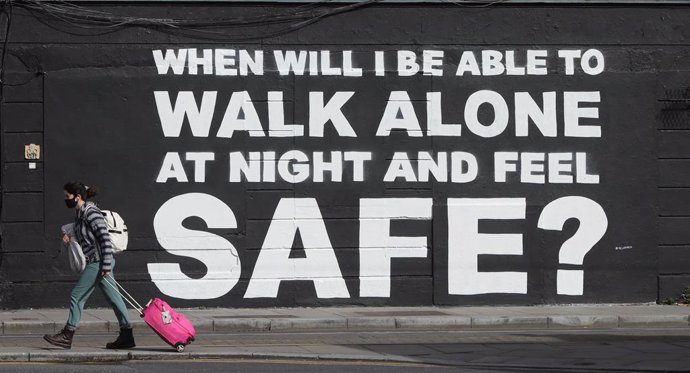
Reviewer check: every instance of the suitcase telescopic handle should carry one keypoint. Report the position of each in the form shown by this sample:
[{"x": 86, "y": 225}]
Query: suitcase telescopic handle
[{"x": 126, "y": 296}]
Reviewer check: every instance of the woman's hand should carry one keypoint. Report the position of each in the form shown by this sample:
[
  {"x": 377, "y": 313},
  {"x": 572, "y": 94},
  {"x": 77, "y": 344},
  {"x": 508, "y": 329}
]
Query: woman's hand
[
  {"x": 105, "y": 273},
  {"x": 65, "y": 239}
]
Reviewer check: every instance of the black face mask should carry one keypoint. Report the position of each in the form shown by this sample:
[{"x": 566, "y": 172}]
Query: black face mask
[{"x": 71, "y": 203}]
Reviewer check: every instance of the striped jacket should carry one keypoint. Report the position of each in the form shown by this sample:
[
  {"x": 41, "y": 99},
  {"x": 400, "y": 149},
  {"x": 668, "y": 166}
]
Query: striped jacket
[{"x": 92, "y": 234}]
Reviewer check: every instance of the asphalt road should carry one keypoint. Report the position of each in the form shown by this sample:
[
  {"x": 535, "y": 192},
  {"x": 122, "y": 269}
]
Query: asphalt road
[{"x": 224, "y": 366}]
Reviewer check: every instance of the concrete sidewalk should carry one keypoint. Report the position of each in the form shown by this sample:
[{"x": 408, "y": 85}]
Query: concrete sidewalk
[
  {"x": 223, "y": 320},
  {"x": 573, "y": 337}
]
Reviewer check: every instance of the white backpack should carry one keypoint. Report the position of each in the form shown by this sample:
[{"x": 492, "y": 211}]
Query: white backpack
[{"x": 117, "y": 229}]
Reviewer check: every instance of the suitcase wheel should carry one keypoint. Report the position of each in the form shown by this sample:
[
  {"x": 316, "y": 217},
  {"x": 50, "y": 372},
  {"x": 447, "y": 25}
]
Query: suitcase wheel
[{"x": 179, "y": 347}]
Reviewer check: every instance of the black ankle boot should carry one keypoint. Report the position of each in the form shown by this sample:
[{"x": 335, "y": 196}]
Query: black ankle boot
[
  {"x": 62, "y": 339},
  {"x": 124, "y": 340}
]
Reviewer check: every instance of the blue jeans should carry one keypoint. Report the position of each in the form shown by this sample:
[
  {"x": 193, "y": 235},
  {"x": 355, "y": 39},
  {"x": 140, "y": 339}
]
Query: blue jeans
[{"x": 90, "y": 278}]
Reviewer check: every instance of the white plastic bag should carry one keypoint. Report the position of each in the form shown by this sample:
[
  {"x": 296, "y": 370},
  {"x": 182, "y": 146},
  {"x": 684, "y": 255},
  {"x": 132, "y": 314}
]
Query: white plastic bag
[{"x": 77, "y": 261}]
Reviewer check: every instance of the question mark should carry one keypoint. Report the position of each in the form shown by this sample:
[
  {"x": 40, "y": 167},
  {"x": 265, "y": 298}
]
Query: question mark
[{"x": 593, "y": 225}]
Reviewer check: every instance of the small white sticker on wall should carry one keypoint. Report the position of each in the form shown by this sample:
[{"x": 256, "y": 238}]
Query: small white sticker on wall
[{"x": 32, "y": 165}]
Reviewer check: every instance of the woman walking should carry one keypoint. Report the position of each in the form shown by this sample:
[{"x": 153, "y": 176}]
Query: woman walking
[{"x": 92, "y": 234}]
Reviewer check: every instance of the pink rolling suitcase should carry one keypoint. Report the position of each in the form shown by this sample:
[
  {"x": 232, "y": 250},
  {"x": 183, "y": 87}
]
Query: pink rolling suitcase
[{"x": 175, "y": 329}]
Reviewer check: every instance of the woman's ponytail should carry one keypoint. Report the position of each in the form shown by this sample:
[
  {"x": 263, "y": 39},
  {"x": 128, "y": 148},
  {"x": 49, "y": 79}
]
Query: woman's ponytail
[{"x": 91, "y": 192}]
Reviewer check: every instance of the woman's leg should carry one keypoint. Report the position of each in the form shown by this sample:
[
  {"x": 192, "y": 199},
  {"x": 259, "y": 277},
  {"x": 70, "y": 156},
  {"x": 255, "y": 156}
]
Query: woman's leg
[
  {"x": 81, "y": 292},
  {"x": 126, "y": 337},
  {"x": 115, "y": 299}
]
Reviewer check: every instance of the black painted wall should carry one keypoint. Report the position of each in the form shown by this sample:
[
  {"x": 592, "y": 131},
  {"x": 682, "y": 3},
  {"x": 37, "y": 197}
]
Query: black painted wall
[{"x": 87, "y": 98}]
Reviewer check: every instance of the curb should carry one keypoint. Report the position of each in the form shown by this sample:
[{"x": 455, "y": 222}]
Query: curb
[
  {"x": 82, "y": 357},
  {"x": 399, "y": 323},
  {"x": 403, "y": 323}
]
